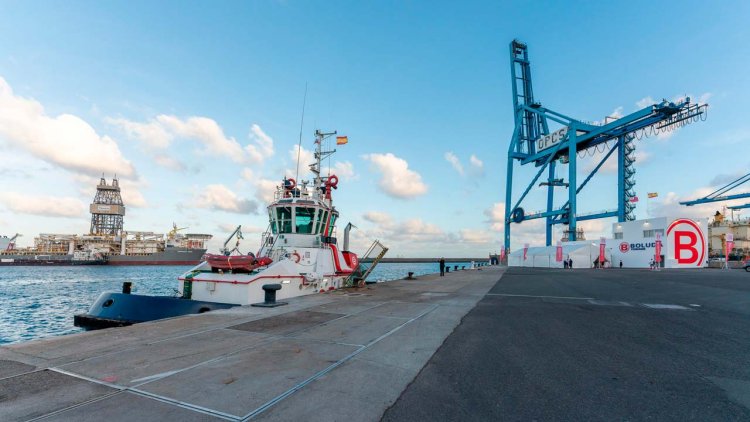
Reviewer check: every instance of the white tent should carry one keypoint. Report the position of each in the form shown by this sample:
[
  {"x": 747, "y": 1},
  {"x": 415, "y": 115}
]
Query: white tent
[{"x": 583, "y": 253}]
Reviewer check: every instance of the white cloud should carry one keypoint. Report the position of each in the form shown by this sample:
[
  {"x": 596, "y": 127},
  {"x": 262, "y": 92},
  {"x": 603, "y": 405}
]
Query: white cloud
[
  {"x": 645, "y": 102},
  {"x": 265, "y": 190},
  {"x": 169, "y": 162},
  {"x": 455, "y": 162},
  {"x": 152, "y": 134},
  {"x": 412, "y": 230},
  {"x": 377, "y": 217},
  {"x": 131, "y": 194},
  {"x": 248, "y": 174},
  {"x": 48, "y": 206},
  {"x": 161, "y": 132},
  {"x": 65, "y": 140},
  {"x": 477, "y": 165},
  {"x": 344, "y": 170},
  {"x": 476, "y": 236},
  {"x": 614, "y": 115},
  {"x": 221, "y": 198},
  {"x": 496, "y": 216},
  {"x": 205, "y": 131},
  {"x": 306, "y": 158},
  {"x": 397, "y": 180},
  {"x": 263, "y": 147}
]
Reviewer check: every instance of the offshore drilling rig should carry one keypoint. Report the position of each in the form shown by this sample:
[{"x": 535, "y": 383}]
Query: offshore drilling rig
[
  {"x": 107, "y": 210},
  {"x": 546, "y": 138},
  {"x": 108, "y": 241}
]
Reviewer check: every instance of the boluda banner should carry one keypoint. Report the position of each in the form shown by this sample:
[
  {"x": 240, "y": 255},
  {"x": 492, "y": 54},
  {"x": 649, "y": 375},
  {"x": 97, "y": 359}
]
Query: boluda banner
[
  {"x": 686, "y": 244},
  {"x": 657, "y": 253}
]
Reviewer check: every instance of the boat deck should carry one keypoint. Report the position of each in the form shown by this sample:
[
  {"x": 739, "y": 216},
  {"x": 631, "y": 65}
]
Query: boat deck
[{"x": 340, "y": 355}]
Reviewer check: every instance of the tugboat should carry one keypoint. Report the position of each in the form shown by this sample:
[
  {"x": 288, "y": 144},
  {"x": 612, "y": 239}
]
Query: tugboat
[{"x": 299, "y": 255}]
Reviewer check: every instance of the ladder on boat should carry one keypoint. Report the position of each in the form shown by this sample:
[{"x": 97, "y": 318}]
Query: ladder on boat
[{"x": 367, "y": 263}]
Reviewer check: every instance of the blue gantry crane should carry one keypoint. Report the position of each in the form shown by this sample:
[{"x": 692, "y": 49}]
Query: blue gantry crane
[
  {"x": 546, "y": 138},
  {"x": 720, "y": 195}
]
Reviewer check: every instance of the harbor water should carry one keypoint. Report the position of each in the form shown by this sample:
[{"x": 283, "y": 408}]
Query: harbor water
[{"x": 37, "y": 302}]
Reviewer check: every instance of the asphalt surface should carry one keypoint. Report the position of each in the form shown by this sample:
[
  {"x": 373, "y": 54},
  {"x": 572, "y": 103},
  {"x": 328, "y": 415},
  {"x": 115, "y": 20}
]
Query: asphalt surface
[{"x": 594, "y": 345}]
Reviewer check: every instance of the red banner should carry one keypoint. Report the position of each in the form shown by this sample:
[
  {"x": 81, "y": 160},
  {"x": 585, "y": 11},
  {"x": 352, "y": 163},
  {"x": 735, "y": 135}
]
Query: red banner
[
  {"x": 602, "y": 258},
  {"x": 657, "y": 254},
  {"x": 525, "y": 249},
  {"x": 558, "y": 252}
]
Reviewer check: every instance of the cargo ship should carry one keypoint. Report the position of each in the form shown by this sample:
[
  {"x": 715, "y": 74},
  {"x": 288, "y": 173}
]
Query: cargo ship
[{"x": 107, "y": 242}]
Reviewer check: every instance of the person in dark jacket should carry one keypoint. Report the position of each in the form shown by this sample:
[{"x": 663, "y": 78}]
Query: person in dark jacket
[{"x": 442, "y": 267}]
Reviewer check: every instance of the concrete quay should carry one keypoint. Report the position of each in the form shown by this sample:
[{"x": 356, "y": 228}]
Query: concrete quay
[
  {"x": 343, "y": 355},
  {"x": 593, "y": 345}
]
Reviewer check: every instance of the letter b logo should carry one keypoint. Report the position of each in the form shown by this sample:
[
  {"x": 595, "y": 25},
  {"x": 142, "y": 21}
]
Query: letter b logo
[
  {"x": 687, "y": 243},
  {"x": 685, "y": 247}
]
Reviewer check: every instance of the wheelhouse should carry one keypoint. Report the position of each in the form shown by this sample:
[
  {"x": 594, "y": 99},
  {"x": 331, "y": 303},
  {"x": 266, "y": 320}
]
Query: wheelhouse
[{"x": 302, "y": 217}]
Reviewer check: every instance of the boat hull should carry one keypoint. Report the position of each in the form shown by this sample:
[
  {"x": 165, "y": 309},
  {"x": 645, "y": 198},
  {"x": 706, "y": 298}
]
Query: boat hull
[
  {"x": 120, "y": 309},
  {"x": 170, "y": 256}
]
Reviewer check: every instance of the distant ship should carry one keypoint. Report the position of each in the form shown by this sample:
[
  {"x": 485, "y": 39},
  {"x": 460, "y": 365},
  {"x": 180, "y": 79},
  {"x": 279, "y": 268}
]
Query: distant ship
[{"x": 107, "y": 242}]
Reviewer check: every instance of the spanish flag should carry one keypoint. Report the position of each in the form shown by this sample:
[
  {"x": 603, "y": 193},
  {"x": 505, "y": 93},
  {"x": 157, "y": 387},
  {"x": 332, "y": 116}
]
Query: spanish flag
[
  {"x": 653, "y": 194},
  {"x": 341, "y": 140}
]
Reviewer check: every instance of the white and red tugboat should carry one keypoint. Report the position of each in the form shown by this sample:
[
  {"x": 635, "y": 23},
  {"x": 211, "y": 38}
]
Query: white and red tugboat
[
  {"x": 299, "y": 254},
  {"x": 299, "y": 250}
]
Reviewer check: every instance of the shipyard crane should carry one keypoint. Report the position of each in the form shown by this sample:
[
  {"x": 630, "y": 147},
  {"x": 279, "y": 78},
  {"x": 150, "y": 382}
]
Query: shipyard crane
[
  {"x": 720, "y": 195},
  {"x": 544, "y": 138},
  {"x": 172, "y": 233},
  {"x": 236, "y": 233},
  {"x": 12, "y": 242}
]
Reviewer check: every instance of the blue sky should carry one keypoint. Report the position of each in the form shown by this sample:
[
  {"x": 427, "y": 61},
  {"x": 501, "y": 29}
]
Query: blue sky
[{"x": 170, "y": 95}]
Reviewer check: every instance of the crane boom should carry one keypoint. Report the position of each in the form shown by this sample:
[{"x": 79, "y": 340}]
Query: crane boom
[{"x": 238, "y": 233}]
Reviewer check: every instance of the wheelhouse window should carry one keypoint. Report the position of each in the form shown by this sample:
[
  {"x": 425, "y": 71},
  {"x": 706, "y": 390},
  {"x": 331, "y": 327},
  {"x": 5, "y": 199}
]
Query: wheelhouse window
[
  {"x": 274, "y": 228},
  {"x": 304, "y": 220},
  {"x": 333, "y": 223},
  {"x": 284, "y": 219},
  {"x": 323, "y": 220}
]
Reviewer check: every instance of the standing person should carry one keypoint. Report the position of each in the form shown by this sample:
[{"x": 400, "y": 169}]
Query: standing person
[
  {"x": 570, "y": 262},
  {"x": 442, "y": 267},
  {"x": 621, "y": 263}
]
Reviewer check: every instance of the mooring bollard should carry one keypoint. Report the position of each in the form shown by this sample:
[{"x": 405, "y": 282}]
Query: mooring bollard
[
  {"x": 410, "y": 276},
  {"x": 270, "y": 298},
  {"x": 448, "y": 268},
  {"x": 463, "y": 267},
  {"x": 126, "y": 286},
  {"x": 455, "y": 268}
]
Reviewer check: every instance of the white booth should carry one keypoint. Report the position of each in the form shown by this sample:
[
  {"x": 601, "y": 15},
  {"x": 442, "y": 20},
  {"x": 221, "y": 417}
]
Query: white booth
[{"x": 684, "y": 244}]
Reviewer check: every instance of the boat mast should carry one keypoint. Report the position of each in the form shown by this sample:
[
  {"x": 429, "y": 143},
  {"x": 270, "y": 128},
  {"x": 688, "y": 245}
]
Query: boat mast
[{"x": 320, "y": 155}]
